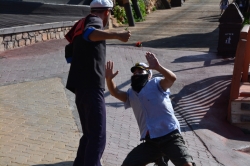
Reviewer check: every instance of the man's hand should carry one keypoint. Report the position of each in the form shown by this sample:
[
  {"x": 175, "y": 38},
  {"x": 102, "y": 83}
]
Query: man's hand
[
  {"x": 114, "y": 91},
  {"x": 153, "y": 62},
  {"x": 124, "y": 36},
  {"x": 169, "y": 76},
  {"x": 109, "y": 70}
]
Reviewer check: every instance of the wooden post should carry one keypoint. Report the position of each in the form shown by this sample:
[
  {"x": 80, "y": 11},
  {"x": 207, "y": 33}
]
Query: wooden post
[
  {"x": 137, "y": 9},
  {"x": 238, "y": 65},
  {"x": 128, "y": 10},
  {"x": 166, "y": 4},
  {"x": 246, "y": 29}
]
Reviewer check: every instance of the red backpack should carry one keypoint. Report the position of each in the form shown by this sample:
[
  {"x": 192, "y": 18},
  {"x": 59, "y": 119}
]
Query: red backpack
[{"x": 76, "y": 30}]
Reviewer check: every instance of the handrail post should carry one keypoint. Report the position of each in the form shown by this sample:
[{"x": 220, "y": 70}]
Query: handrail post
[
  {"x": 244, "y": 34},
  {"x": 128, "y": 10},
  {"x": 235, "y": 85},
  {"x": 137, "y": 9}
]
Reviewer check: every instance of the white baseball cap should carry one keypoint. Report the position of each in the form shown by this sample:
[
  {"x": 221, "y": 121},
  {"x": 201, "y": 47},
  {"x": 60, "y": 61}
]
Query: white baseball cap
[{"x": 101, "y": 4}]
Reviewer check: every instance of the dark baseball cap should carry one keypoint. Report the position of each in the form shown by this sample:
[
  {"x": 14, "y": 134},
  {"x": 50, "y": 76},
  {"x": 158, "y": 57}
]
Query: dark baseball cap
[{"x": 141, "y": 65}]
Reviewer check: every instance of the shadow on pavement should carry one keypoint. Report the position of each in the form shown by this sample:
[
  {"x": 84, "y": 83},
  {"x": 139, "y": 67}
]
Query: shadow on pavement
[
  {"x": 192, "y": 40},
  {"x": 202, "y": 102},
  {"x": 204, "y": 105},
  {"x": 214, "y": 18},
  {"x": 208, "y": 62},
  {"x": 200, "y": 58},
  {"x": 65, "y": 163}
]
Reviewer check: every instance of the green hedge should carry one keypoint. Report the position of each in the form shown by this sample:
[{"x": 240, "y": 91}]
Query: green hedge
[
  {"x": 246, "y": 18},
  {"x": 120, "y": 14}
]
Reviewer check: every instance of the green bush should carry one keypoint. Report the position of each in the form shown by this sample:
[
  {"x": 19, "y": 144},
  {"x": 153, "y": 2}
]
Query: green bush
[
  {"x": 142, "y": 8},
  {"x": 120, "y": 14},
  {"x": 246, "y": 18}
]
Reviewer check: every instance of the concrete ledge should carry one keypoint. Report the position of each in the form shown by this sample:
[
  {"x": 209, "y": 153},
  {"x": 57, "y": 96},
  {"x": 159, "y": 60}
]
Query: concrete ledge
[
  {"x": 21, "y": 36},
  {"x": 58, "y": 2},
  {"x": 36, "y": 8},
  {"x": 36, "y": 27}
]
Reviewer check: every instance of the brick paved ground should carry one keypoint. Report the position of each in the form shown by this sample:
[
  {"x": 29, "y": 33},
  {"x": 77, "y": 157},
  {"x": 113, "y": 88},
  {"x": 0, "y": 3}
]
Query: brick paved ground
[
  {"x": 193, "y": 27},
  {"x": 19, "y": 70},
  {"x": 200, "y": 94},
  {"x": 37, "y": 126}
]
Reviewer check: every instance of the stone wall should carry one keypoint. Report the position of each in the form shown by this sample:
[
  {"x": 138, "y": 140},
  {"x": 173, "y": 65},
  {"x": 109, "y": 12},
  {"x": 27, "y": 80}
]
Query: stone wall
[
  {"x": 24, "y": 38},
  {"x": 10, "y": 41}
]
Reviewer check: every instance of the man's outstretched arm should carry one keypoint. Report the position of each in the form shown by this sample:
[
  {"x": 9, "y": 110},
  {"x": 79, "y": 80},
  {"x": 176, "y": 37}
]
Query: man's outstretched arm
[
  {"x": 99, "y": 35},
  {"x": 114, "y": 91}
]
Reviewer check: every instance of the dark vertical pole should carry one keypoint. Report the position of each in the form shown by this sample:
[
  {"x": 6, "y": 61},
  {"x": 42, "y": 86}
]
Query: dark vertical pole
[
  {"x": 166, "y": 4},
  {"x": 137, "y": 9},
  {"x": 129, "y": 14},
  {"x": 87, "y": 2}
]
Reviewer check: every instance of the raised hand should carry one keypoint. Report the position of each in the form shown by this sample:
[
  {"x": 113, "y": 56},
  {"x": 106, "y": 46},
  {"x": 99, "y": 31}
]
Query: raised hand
[
  {"x": 153, "y": 62},
  {"x": 109, "y": 70}
]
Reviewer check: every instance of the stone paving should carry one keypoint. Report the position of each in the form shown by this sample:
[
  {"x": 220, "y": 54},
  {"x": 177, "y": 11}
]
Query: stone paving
[
  {"x": 37, "y": 126},
  {"x": 32, "y": 88},
  {"x": 33, "y": 97},
  {"x": 192, "y": 27}
]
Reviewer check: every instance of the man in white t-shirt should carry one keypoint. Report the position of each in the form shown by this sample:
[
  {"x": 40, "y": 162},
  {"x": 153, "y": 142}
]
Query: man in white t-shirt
[{"x": 149, "y": 99}]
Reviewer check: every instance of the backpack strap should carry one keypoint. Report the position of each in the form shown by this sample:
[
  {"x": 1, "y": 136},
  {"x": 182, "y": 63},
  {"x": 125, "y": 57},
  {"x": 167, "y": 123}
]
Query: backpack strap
[{"x": 76, "y": 30}]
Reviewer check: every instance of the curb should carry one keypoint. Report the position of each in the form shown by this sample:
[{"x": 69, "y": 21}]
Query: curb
[{"x": 36, "y": 27}]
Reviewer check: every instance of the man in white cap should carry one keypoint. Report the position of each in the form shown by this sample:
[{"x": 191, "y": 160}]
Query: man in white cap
[
  {"x": 159, "y": 128},
  {"x": 87, "y": 80}
]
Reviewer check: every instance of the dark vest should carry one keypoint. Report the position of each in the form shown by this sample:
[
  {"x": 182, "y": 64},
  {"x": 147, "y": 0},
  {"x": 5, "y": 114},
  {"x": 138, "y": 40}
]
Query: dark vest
[{"x": 87, "y": 68}]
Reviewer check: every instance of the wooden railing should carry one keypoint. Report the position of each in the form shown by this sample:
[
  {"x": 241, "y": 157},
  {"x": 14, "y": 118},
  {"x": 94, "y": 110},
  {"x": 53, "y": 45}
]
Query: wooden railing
[{"x": 239, "y": 103}]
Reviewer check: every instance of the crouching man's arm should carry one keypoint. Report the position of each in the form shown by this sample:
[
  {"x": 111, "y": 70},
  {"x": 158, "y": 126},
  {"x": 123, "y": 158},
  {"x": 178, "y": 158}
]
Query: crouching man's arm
[
  {"x": 114, "y": 91},
  {"x": 169, "y": 76}
]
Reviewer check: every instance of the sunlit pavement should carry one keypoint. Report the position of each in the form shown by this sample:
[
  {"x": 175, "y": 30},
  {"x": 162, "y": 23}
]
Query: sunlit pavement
[{"x": 39, "y": 124}]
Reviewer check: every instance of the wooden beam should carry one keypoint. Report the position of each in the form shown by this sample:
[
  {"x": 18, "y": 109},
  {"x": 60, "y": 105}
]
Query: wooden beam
[
  {"x": 247, "y": 55},
  {"x": 238, "y": 65}
]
